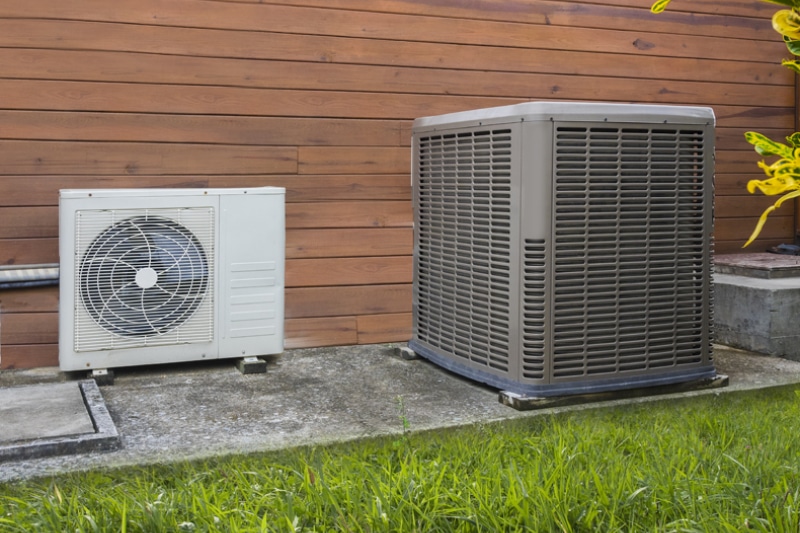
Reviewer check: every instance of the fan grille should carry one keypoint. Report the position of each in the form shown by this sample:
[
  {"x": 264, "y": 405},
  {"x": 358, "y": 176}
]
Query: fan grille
[
  {"x": 464, "y": 244},
  {"x": 143, "y": 278},
  {"x": 631, "y": 275}
]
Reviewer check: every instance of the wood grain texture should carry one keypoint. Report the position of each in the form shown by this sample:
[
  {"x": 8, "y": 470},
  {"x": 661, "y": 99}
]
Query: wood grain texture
[
  {"x": 318, "y": 96},
  {"x": 348, "y": 271},
  {"x": 313, "y": 332},
  {"x": 34, "y": 300},
  {"x": 21, "y": 356},
  {"x": 313, "y": 302},
  {"x": 384, "y": 328}
]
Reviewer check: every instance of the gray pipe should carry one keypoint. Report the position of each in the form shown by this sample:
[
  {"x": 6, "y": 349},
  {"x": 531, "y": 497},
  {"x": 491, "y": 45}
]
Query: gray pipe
[{"x": 24, "y": 276}]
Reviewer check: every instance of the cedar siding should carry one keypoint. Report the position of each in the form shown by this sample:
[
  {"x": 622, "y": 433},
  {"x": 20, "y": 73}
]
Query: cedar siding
[{"x": 318, "y": 96}]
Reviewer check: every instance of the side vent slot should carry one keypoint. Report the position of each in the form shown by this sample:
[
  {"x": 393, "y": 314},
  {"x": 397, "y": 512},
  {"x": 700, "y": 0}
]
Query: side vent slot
[{"x": 534, "y": 310}]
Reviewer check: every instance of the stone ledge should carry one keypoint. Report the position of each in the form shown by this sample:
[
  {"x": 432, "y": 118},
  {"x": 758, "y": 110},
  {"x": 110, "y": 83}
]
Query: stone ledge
[
  {"x": 761, "y": 265},
  {"x": 757, "y": 303}
]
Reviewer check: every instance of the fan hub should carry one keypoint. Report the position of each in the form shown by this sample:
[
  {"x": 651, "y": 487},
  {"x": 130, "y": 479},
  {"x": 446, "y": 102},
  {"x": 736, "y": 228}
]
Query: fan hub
[{"x": 146, "y": 278}]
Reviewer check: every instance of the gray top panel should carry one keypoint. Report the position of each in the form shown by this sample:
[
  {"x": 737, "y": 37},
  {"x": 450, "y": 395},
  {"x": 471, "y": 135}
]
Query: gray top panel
[
  {"x": 134, "y": 193},
  {"x": 568, "y": 111}
]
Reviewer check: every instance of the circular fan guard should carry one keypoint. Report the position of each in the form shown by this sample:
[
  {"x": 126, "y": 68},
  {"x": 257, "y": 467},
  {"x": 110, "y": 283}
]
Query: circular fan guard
[{"x": 143, "y": 276}]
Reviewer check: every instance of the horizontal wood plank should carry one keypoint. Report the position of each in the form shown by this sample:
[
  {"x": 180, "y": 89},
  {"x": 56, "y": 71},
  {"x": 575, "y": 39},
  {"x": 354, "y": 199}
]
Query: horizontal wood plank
[
  {"x": 402, "y": 27},
  {"x": 29, "y": 328},
  {"x": 28, "y": 222},
  {"x": 28, "y": 251},
  {"x": 355, "y": 242},
  {"x": 17, "y": 357},
  {"x": 99, "y": 66},
  {"x": 192, "y": 100},
  {"x": 42, "y": 221},
  {"x": 348, "y": 271},
  {"x": 778, "y": 226},
  {"x": 594, "y": 13},
  {"x": 315, "y": 302},
  {"x": 30, "y": 300},
  {"x": 200, "y": 129},
  {"x": 353, "y": 160},
  {"x": 384, "y": 328},
  {"x": 348, "y": 215},
  {"x": 743, "y": 206},
  {"x": 82, "y": 158},
  {"x": 43, "y": 190},
  {"x": 313, "y": 47},
  {"x": 314, "y": 332}
]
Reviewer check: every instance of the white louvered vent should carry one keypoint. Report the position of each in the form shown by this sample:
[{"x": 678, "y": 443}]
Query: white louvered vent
[{"x": 565, "y": 247}]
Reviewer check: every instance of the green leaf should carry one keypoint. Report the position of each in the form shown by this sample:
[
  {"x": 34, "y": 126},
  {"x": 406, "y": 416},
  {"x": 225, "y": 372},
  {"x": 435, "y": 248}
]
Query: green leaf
[
  {"x": 793, "y": 45},
  {"x": 766, "y": 146},
  {"x": 659, "y": 6},
  {"x": 787, "y": 3},
  {"x": 794, "y": 139},
  {"x": 791, "y": 64}
]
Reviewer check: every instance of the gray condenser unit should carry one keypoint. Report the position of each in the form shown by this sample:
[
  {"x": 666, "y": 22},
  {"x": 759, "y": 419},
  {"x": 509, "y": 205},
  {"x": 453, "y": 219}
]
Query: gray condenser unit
[{"x": 565, "y": 248}]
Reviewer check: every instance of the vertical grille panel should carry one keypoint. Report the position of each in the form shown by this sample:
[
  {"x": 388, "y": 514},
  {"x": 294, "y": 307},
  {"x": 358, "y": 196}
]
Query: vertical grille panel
[
  {"x": 534, "y": 310},
  {"x": 463, "y": 245},
  {"x": 630, "y": 264}
]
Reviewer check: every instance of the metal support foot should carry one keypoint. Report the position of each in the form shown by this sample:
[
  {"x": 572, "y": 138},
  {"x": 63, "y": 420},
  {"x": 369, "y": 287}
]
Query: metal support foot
[
  {"x": 102, "y": 376},
  {"x": 251, "y": 365}
]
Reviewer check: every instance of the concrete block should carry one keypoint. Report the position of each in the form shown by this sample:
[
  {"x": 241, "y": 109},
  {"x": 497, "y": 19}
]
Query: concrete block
[
  {"x": 406, "y": 353},
  {"x": 251, "y": 365},
  {"x": 758, "y": 314},
  {"x": 102, "y": 376}
]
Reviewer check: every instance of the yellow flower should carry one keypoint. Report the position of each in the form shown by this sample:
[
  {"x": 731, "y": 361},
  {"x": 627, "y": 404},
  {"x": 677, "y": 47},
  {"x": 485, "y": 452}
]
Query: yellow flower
[
  {"x": 784, "y": 174},
  {"x": 787, "y": 23},
  {"x": 772, "y": 187}
]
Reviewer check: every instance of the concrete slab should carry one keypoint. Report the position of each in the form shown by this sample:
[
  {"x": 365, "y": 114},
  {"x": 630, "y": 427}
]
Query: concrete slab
[
  {"x": 308, "y": 397},
  {"x": 43, "y": 411},
  {"x": 54, "y": 419}
]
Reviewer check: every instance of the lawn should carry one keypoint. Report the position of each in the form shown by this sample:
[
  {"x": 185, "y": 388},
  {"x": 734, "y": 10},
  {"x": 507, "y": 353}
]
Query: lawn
[{"x": 727, "y": 461}]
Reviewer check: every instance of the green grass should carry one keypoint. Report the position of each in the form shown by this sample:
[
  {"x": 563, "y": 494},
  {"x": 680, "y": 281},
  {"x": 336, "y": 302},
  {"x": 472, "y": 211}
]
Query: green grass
[{"x": 726, "y": 462}]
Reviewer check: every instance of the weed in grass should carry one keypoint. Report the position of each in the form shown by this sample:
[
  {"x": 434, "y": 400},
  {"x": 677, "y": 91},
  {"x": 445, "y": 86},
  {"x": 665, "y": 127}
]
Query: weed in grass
[
  {"x": 402, "y": 415},
  {"x": 697, "y": 464}
]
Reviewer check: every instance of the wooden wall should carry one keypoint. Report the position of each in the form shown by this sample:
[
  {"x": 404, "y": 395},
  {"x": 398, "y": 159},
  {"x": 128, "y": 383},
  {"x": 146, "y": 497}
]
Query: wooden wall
[{"x": 318, "y": 96}]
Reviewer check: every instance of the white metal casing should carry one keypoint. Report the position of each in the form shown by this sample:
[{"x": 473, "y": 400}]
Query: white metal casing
[{"x": 239, "y": 309}]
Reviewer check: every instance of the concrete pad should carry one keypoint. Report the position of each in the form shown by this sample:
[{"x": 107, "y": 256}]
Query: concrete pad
[
  {"x": 54, "y": 419},
  {"x": 310, "y": 397},
  {"x": 43, "y": 411}
]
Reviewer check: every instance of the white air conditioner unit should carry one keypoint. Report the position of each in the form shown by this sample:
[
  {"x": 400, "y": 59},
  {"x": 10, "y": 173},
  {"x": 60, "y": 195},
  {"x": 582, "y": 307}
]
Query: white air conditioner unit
[
  {"x": 169, "y": 275},
  {"x": 565, "y": 248}
]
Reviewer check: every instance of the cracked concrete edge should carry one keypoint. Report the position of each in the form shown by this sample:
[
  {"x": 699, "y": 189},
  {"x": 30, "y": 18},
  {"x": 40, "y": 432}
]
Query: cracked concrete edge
[{"x": 104, "y": 439}]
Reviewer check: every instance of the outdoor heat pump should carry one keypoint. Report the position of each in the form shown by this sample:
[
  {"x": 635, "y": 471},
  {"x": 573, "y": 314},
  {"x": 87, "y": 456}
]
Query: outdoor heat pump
[{"x": 565, "y": 248}]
